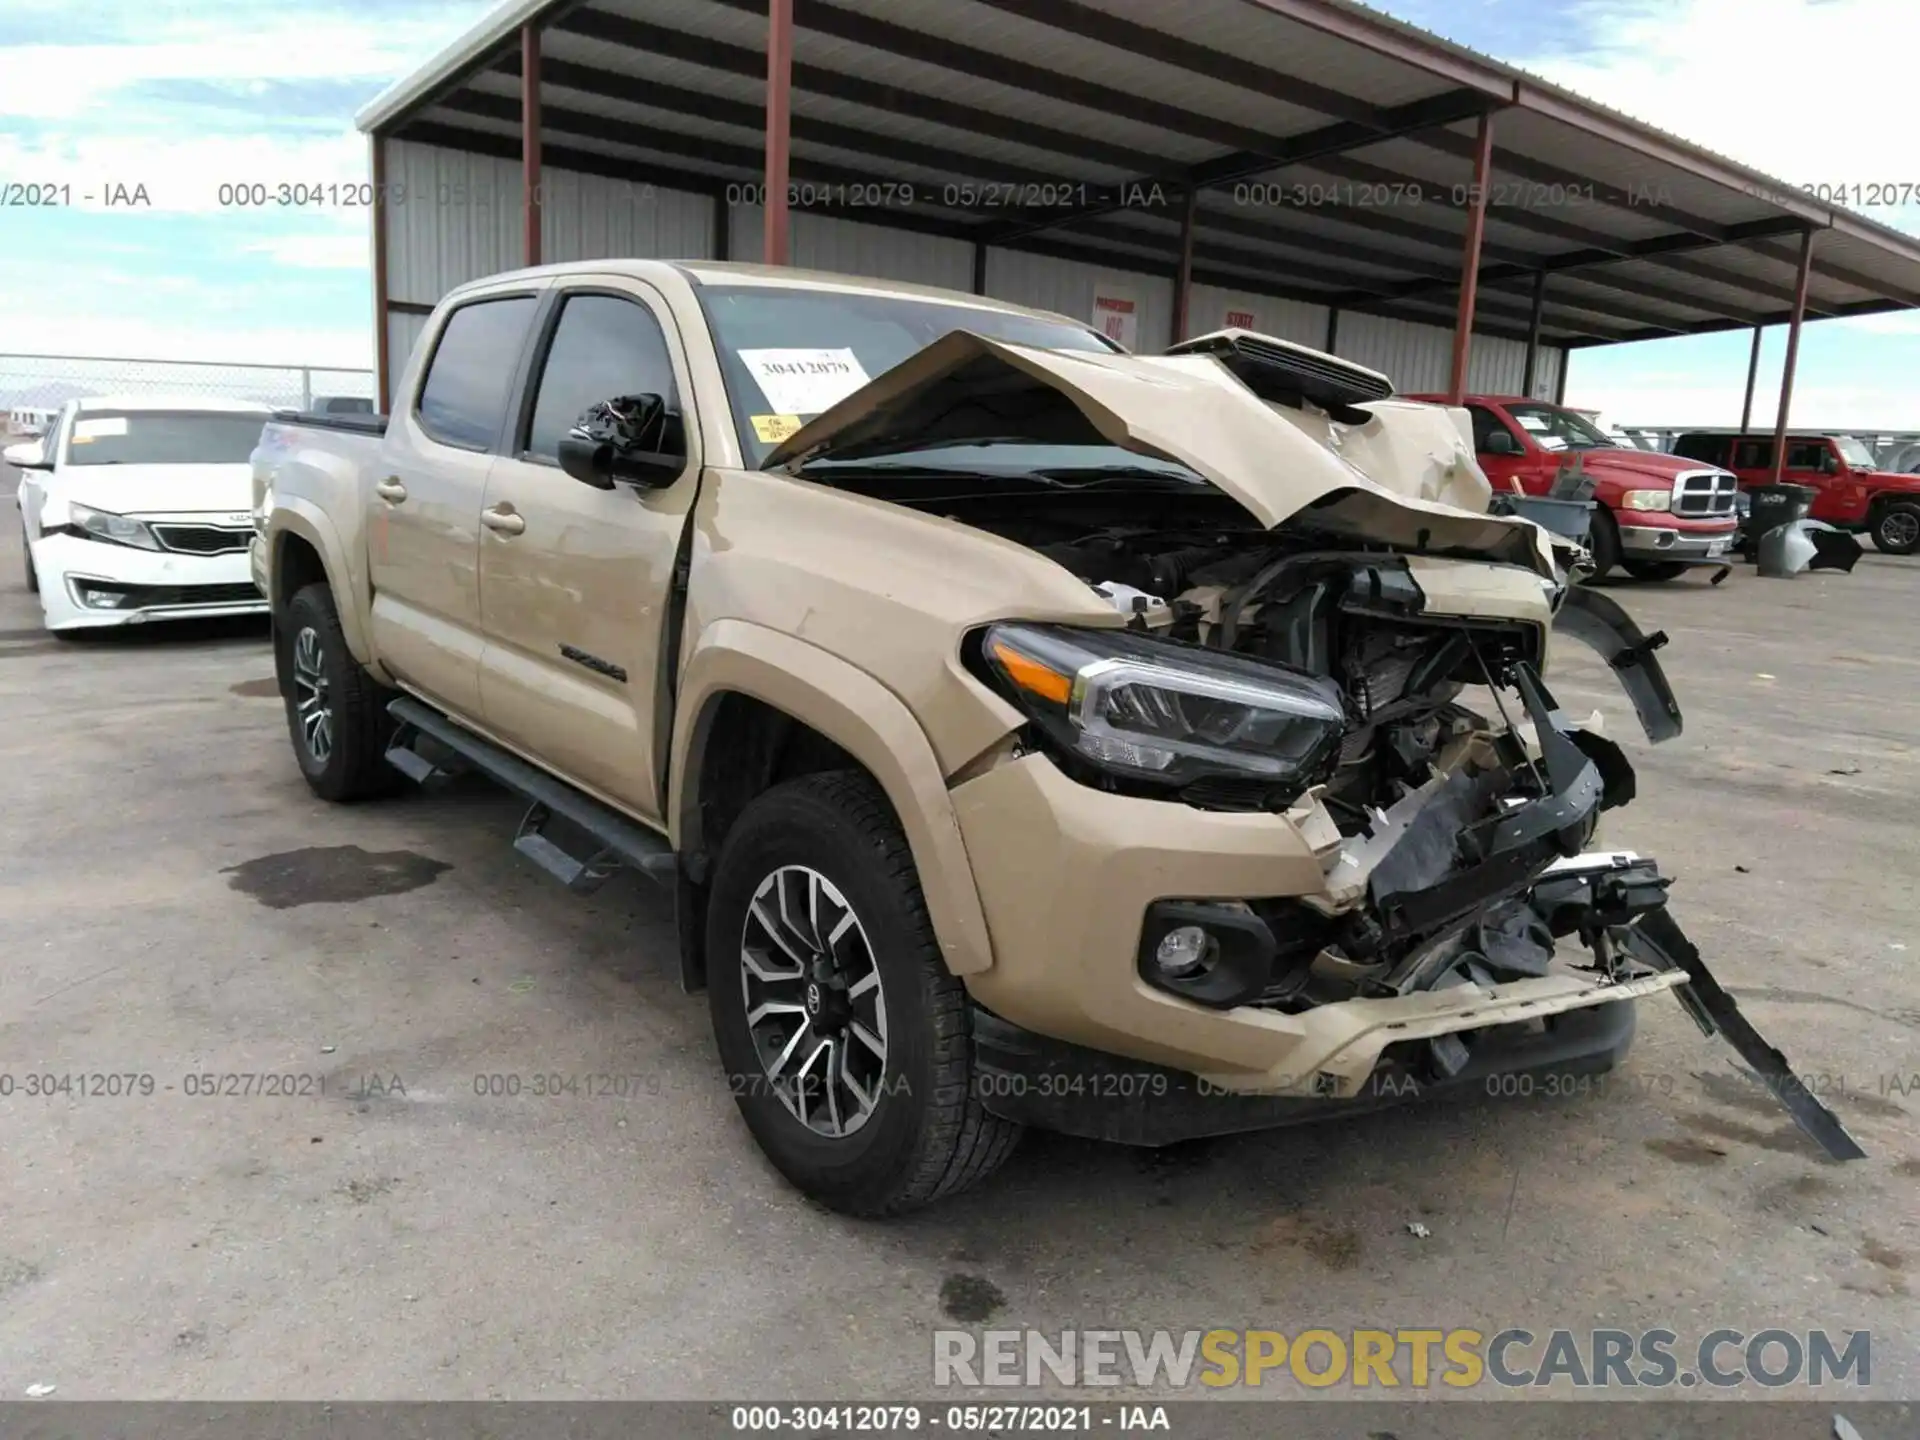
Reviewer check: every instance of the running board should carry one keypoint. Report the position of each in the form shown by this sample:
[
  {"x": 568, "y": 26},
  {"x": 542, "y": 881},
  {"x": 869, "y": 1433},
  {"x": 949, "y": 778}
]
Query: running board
[{"x": 616, "y": 840}]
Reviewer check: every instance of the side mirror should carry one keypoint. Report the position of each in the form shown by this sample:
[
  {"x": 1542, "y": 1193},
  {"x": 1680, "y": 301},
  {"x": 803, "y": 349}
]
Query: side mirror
[
  {"x": 1501, "y": 442},
  {"x": 1829, "y": 463},
  {"x": 27, "y": 455},
  {"x": 631, "y": 438}
]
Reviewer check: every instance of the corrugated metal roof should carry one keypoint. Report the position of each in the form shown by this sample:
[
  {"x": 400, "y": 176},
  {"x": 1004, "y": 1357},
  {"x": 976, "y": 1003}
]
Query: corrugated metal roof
[{"x": 1333, "y": 145}]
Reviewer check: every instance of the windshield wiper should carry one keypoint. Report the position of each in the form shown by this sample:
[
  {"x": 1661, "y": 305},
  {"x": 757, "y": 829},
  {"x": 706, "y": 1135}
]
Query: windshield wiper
[{"x": 1082, "y": 477}]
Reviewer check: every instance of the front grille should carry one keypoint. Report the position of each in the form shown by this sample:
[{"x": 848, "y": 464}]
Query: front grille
[
  {"x": 203, "y": 539},
  {"x": 1701, "y": 493}
]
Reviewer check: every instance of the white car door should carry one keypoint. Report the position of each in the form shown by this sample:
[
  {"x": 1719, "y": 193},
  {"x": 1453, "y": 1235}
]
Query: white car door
[{"x": 33, "y": 483}]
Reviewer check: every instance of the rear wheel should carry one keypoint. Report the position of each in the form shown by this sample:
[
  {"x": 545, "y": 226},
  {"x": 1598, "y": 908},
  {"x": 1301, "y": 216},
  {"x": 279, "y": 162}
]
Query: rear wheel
[
  {"x": 1896, "y": 529},
  {"x": 847, "y": 1043},
  {"x": 1654, "y": 569},
  {"x": 336, "y": 712}
]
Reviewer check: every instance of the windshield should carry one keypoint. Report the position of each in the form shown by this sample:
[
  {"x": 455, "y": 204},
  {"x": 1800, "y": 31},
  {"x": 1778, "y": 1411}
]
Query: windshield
[
  {"x": 1857, "y": 456},
  {"x": 1556, "y": 429},
  {"x": 164, "y": 437},
  {"x": 789, "y": 354}
]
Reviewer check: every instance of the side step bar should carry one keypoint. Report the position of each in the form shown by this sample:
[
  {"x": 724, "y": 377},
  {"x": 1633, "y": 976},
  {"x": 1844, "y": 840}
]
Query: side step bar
[{"x": 619, "y": 840}]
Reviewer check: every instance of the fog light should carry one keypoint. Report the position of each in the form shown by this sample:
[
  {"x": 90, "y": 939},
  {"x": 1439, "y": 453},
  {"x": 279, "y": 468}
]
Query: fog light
[
  {"x": 101, "y": 599},
  {"x": 1183, "y": 951}
]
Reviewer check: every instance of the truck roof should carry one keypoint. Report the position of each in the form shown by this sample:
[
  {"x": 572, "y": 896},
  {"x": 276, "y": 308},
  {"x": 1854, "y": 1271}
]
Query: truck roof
[{"x": 733, "y": 272}]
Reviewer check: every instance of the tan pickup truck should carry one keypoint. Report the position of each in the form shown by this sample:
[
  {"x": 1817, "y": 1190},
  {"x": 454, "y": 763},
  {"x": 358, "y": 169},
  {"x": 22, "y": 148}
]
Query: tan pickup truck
[{"x": 1031, "y": 733}]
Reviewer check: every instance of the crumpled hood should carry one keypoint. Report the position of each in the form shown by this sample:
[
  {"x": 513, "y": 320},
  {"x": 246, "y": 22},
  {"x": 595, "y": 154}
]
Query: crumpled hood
[
  {"x": 158, "y": 489},
  {"x": 1190, "y": 410}
]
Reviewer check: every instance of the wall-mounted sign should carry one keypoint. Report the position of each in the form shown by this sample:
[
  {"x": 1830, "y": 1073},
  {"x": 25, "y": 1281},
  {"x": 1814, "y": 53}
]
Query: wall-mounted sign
[{"x": 1116, "y": 313}]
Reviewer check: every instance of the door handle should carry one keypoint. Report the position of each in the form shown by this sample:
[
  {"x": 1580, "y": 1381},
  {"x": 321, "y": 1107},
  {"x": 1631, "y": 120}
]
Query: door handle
[
  {"x": 501, "y": 518},
  {"x": 390, "y": 489}
]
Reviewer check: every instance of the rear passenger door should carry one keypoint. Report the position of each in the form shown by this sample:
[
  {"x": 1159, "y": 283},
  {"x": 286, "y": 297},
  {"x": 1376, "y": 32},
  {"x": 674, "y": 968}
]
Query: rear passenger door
[
  {"x": 575, "y": 581},
  {"x": 423, "y": 509}
]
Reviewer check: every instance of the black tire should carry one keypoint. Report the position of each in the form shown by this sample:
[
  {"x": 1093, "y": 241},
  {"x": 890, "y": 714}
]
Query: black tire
[
  {"x": 1654, "y": 569},
  {"x": 1604, "y": 542},
  {"x": 352, "y": 764},
  {"x": 1896, "y": 528},
  {"x": 927, "y": 1135}
]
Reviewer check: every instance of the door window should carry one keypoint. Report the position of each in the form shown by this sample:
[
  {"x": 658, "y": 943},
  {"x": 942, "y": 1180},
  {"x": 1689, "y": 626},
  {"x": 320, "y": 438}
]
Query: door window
[
  {"x": 464, "y": 398},
  {"x": 603, "y": 348},
  {"x": 1805, "y": 454},
  {"x": 1753, "y": 455},
  {"x": 1485, "y": 423}
]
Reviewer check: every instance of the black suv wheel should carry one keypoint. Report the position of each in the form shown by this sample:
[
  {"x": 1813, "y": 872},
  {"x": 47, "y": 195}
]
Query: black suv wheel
[{"x": 336, "y": 712}]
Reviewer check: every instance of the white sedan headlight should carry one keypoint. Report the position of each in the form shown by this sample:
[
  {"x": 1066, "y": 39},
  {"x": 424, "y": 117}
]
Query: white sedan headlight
[{"x": 91, "y": 524}]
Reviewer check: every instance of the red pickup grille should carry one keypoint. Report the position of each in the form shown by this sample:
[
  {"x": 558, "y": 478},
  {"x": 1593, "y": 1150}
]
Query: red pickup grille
[
  {"x": 1704, "y": 493},
  {"x": 203, "y": 539}
]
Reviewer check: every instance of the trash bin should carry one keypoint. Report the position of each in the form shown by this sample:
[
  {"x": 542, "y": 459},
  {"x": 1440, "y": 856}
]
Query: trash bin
[{"x": 1775, "y": 505}]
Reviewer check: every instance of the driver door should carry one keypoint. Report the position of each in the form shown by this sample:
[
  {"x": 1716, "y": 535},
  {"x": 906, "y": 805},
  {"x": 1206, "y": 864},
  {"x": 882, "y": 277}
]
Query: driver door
[
  {"x": 1508, "y": 469},
  {"x": 574, "y": 580}
]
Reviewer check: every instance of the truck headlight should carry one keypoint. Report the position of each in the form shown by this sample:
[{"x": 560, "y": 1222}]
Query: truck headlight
[
  {"x": 91, "y": 524},
  {"x": 1647, "y": 500},
  {"x": 1161, "y": 712}
]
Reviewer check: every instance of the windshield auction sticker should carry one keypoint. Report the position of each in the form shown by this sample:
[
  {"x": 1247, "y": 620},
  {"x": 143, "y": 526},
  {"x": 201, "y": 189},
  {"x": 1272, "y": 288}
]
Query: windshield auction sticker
[
  {"x": 772, "y": 429},
  {"x": 804, "y": 382}
]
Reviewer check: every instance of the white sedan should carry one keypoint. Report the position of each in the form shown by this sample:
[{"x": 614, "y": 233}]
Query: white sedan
[{"x": 137, "y": 509}]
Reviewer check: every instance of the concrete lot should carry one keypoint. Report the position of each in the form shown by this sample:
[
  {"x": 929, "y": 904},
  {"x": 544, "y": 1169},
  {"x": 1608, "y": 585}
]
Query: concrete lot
[{"x": 173, "y": 902}]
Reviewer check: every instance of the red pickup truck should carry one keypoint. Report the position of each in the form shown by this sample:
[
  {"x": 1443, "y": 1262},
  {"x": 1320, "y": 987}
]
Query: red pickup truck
[
  {"x": 1654, "y": 514},
  {"x": 1850, "y": 491}
]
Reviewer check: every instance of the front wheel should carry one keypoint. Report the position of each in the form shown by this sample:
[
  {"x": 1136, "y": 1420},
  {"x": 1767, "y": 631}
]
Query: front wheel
[
  {"x": 1603, "y": 541},
  {"x": 336, "y": 712},
  {"x": 1896, "y": 529},
  {"x": 1654, "y": 569},
  {"x": 847, "y": 1043}
]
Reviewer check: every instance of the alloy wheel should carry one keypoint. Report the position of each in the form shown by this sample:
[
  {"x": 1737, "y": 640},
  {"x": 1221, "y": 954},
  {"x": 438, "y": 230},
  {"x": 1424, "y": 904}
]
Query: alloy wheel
[
  {"x": 1900, "y": 528},
  {"x": 311, "y": 702},
  {"x": 815, "y": 1007}
]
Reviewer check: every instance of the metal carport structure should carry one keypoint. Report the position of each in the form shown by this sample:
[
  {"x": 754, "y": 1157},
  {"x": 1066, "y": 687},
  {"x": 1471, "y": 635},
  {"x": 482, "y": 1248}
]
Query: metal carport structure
[{"x": 1311, "y": 152}]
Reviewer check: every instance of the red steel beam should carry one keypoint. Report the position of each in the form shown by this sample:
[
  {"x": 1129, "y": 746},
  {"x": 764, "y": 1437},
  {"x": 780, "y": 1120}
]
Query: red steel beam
[
  {"x": 779, "y": 126},
  {"x": 382, "y": 360},
  {"x": 530, "y": 140},
  {"x": 1183, "y": 280},
  {"x": 1470, "y": 259},
  {"x": 1753, "y": 374},
  {"x": 1793, "y": 353}
]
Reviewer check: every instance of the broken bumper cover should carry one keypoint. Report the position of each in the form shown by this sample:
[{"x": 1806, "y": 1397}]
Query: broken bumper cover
[{"x": 1071, "y": 1090}]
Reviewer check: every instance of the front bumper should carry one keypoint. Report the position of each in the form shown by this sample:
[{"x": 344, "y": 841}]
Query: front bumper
[
  {"x": 1065, "y": 1088},
  {"x": 1066, "y": 873},
  {"x": 150, "y": 585},
  {"x": 1670, "y": 544}
]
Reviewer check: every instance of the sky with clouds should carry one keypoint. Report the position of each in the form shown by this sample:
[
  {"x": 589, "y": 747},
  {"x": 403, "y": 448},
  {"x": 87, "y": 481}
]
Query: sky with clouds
[{"x": 184, "y": 98}]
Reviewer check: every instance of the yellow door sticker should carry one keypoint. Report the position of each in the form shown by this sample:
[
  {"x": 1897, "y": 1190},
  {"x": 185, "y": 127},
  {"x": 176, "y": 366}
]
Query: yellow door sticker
[{"x": 774, "y": 428}]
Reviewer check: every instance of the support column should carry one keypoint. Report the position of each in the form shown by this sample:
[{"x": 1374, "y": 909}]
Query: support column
[
  {"x": 1470, "y": 258},
  {"x": 722, "y": 226},
  {"x": 1333, "y": 330},
  {"x": 530, "y": 140},
  {"x": 779, "y": 127},
  {"x": 1793, "y": 354},
  {"x": 377, "y": 170},
  {"x": 1533, "y": 333},
  {"x": 1560, "y": 380},
  {"x": 1183, "y": 282},
  {"x": 1753, "y": 374},
  {"x": 979, "y": 268}
]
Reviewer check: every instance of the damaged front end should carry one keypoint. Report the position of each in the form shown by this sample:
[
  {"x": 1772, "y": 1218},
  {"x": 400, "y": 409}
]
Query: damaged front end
[
  {"x": 1449, "y": 799},
  {"x": 1303, "y": 622}
]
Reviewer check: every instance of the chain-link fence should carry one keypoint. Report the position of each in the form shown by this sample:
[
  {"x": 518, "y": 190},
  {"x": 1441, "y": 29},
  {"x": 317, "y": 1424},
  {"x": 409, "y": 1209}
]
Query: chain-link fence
[{"x": 33, "y": 386}]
